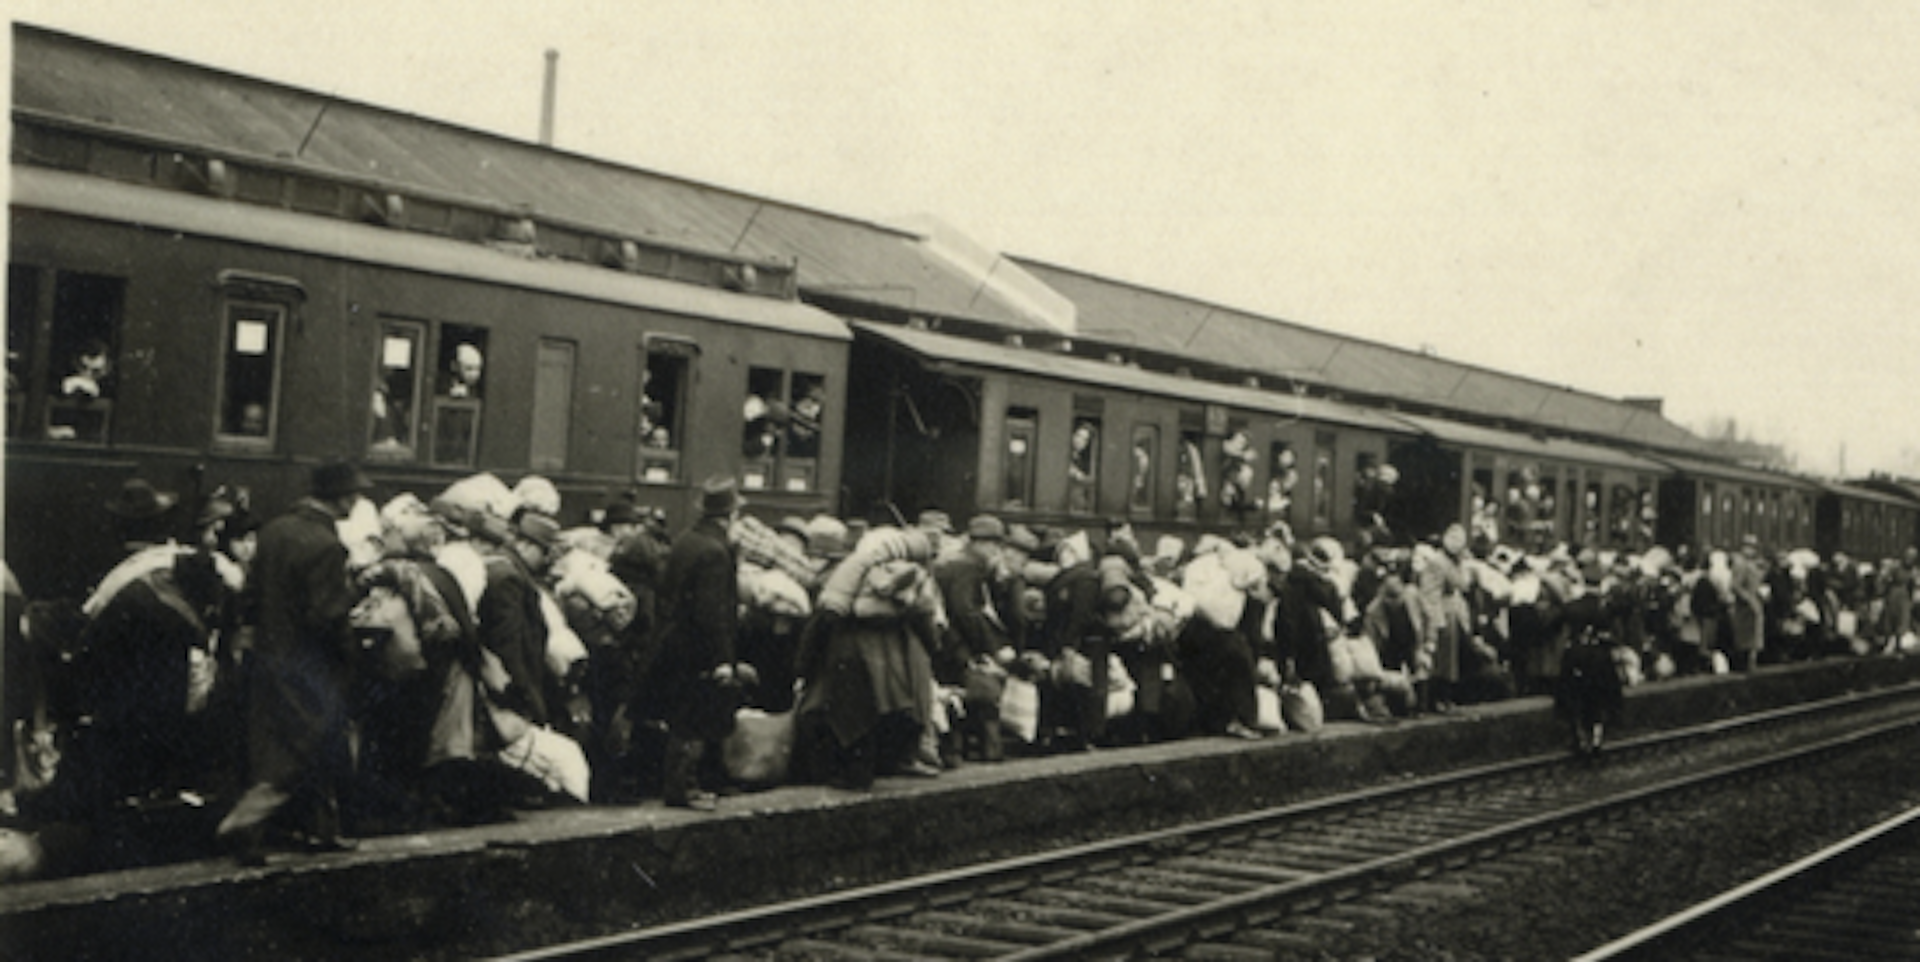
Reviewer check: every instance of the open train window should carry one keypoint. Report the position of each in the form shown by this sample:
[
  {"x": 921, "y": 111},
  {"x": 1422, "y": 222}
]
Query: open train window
[
  {"x": 459, "y": 394},
  {"x": 807, "y": 405},
  {"x": 1483, "y": 519},
  {"x": 666, "y": 366},
  {"x": 23, "y": 309},
  {"x": 1023, "y": 434},
  {"x": 1145, "y": 464},
  {"x": 1283, "y": 475},
  {"x": 1083, "y": 464},
  {"x": 1323, "y": 461},
  {"x": 394, "y": 431},
  {"x": 79, "y": 370},
  {"x": 1239, "y": 493}
]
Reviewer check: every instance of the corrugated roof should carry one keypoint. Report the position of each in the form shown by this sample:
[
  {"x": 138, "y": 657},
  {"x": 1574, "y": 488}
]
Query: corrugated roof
[
  {"x": 1118, "y": 311},
  {"x": 985, "y": 354},
  {"x": 234, "y": 116},
  {"x": 1865, "y": 494}
]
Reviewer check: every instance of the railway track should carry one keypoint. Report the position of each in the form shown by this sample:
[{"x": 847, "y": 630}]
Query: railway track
[
  {"x": 1856, "y": 899},
  {"x": 1280, "y": 881}
]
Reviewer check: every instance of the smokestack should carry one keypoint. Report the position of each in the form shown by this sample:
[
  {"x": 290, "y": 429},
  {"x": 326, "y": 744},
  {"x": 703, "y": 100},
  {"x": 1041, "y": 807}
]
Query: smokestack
[{"x": 546, "y": 98}]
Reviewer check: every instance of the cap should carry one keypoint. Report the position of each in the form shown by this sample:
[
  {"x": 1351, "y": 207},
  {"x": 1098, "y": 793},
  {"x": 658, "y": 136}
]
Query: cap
[
  {"x": 934, "y": 519},
  {"x": 538, "y": 528},
  {"x": 986, "y": 527},
  {"x": 720, "y": 495}
]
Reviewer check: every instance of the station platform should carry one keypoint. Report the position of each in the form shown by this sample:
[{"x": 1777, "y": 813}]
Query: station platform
[{"x": 584, "y": 871}]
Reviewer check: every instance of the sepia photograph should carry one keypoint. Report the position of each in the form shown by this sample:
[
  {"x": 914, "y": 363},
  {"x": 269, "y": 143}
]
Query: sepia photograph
[{"x": 886, "y": 480}]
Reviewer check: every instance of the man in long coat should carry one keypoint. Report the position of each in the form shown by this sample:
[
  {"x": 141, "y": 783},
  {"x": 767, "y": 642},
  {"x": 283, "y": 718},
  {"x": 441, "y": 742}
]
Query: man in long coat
[
  {"x": 297, "y": 717},
  {"x": 694, "y": 680}
]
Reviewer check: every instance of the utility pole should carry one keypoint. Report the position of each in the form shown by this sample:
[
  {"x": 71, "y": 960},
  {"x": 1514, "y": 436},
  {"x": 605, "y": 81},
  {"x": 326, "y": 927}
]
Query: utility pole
[{"x": 547, "y": 98}]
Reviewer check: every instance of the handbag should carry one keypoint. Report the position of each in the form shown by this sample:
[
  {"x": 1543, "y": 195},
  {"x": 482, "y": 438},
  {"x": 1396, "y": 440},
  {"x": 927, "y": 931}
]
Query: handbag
[
  {"x": 1300, "y": 707},
  {"x": 1020, "y": 709},
  {"x": 760, "y": 750}
]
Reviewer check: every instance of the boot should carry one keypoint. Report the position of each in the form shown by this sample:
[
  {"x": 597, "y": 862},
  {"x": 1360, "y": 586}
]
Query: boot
[
  {"x": 681, "y": 783},
  {"x": 992, "y": 749}
]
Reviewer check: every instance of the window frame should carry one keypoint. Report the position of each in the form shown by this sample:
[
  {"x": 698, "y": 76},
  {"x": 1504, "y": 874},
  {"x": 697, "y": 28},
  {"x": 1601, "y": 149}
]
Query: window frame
[{"x": 282, "y": 296}]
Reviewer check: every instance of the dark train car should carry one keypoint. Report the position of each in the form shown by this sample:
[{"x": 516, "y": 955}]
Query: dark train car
[
  {"x": 1867, "y": 524},
  {"x": 1709, "y": 505},
  {"x": 247, "y": 316},
  {"x": 1524, "y": 490},
  {"x": 1045, "y": 437}
]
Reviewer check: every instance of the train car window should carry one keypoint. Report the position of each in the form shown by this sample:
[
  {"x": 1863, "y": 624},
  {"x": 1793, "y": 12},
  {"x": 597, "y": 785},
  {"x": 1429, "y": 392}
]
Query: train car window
[
  {"x": 764, "y": 418},
  {"x": 1239, "y": 495},
  {"x": 1023, "y": 433},
  {"x": 23, "y": 318},
  {"x": 1648, "y": 517},
  {"x": 1483, "y": 520},
  {"x": 1623, "y": 504},
  {"x": 1547, "y": 527},
  {"x": 395, "y": 410},
  {"x": 809, "y": 402},
  {"x": 1373, "y": 489},
  {"x": 1189, "y": 476},
  {"x": 665, "y": 367},
  {"x": 1083, "y": 465},
  {"x": 1283, "y": 475},
  {"x": 84, "y": 357},
  {"x": 1323, "y": 461},
  {"x": 249, "y": 373},
  {"x": 552, "y": 405},
  {"x": 1529, "y": 508},
  {"x": 1591, "y": 527},
  {"x": 1145, "y": 464},
  {"x": 459, "y": 394}
]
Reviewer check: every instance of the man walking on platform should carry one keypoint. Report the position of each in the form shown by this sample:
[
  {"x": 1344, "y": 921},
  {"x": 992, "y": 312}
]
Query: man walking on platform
[
  {"x": 297, "y": 714},
  {"x": 695, "y": 680}
]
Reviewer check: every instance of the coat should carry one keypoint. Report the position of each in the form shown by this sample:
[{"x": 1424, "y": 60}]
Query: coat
[
  {"x": 302, "y": 647},
  {"x": 699, "y": 607}
]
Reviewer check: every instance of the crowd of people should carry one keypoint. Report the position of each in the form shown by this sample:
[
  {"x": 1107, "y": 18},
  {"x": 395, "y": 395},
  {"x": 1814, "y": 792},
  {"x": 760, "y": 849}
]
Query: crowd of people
[{"x": 346, "y": 668}]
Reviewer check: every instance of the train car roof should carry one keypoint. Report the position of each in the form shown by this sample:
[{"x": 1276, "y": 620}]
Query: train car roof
[
  {"x": 91, "y": 197},
  {"x": 94, "y": 85},
  {"x": 1552, "y": 449},
  {"x": 1858, "y": 493},
  {"x": 1184, "y": 325},
  {"x": 943, "y": 349},
  {"x": 1724, "y": 471}
]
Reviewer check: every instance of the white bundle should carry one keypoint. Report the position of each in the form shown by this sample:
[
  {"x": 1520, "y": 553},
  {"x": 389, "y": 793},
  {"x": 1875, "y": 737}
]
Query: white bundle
[
  {"x": 481, "y": 493},
  {"x": 773, "y": 590}
]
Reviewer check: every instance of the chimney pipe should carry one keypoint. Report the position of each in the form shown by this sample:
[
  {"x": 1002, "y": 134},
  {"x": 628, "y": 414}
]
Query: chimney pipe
[{"x": 547, "y": 96}]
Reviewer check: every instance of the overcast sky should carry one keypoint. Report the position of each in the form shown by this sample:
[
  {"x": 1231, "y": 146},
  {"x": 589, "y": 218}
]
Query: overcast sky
[{"x": 1717, "y": 203}]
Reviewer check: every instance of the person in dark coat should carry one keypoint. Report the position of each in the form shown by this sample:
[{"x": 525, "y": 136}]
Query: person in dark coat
[
  {"x": 695, "y": 681},
  {"x": 977, "y": 646},
  {"x": 297, "y": 716}
]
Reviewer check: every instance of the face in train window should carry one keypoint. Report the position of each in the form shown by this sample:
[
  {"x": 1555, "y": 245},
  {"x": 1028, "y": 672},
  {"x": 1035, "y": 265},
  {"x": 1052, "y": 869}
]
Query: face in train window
[
  {"x": 1237, "y": 492},
  {"x": 1189, "y": 477},
  {"x": 808, "y": 401},
  {"x": 1145, "y": 457},
  {"x": 1283, "y": 475},
  {"x": 82, "y": 379},
  {"x": 1373, "y": 489},
  {"x": 765, "y": 414},
  {"x": 1083, "y": 464},
  {"x": 463, "y": 362}
]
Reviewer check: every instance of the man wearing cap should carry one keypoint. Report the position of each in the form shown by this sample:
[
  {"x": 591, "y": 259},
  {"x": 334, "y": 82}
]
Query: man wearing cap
[
  {"x": 977, "y": 645},
  {"x": 511, "y": 623},
  {"x": 297, "y": 716},
  {"x": 695, "y": 681}
]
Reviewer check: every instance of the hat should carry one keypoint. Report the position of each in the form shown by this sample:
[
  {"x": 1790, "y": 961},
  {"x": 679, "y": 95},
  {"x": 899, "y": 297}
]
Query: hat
[
  {"x": 1125, "y": 550},
  {"x": 935, "y": 519},
  {"x": 1022, "y": 537},
  {"x": 986, "y": 527},
  {"x": 1324, "y": 551},
  {"x": 223, "y": 503},
  {"x": 337, "y": 479},
  {"x": 720, "y": 495},
  {"x": 537, "y": 528},
  {"x": 139, "y": 500},
  {"x": 1749, "y": 541},
  {"x": 796, "y": 526},
  {"x": 622, "y": 511}
]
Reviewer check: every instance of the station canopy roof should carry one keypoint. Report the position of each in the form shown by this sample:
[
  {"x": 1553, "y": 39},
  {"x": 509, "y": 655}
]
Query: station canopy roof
[
  {"x": 954, "y": 352},
  {"x": 85, "y": 83},
  {"x": 1161, "y": 321}
]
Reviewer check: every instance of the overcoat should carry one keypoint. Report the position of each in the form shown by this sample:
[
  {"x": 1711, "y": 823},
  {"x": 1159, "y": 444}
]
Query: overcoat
[
  {"x": 699, "y": 606},
  {"x": 302, "y": 647}
]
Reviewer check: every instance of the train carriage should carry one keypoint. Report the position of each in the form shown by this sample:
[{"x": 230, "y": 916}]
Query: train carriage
[
  {"x": 1864, "y": 522},
  {"x": 1710, "y": 504},
  {"x": 1042, "y": 436}
]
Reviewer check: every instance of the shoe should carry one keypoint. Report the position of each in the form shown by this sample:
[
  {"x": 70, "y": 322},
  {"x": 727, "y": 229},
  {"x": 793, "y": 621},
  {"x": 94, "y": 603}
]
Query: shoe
[
  {"x": 322, "y": 844},
  {"x": 919, "y": 769},
  {"x": 1237, "y": 730},
  {"x": 697, "y": 801}
]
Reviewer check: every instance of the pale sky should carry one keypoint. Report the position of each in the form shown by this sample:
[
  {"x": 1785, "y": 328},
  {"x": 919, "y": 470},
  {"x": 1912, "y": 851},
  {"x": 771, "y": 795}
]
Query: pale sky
[{"x": 1717, "y": 203}]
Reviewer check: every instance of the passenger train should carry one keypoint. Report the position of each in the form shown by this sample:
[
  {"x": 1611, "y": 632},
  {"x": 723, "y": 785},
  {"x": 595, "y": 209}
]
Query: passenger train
[{"x": 214, "y": 279}]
